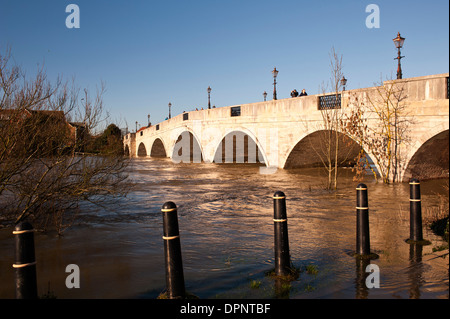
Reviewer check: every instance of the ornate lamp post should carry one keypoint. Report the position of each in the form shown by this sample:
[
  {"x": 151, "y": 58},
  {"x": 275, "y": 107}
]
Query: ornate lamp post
[
  {"x": 343, "y": 82},
  {"x": 136, "y": 126},
  {"x": 265, "y": 96},
  {"x": 170, "y": 105},
  {"x": 148, "y": 116},
  {"x": 275, "y": 73},
  {"x": 209, "y": 96},
  {"x": 398, "y": 41}
]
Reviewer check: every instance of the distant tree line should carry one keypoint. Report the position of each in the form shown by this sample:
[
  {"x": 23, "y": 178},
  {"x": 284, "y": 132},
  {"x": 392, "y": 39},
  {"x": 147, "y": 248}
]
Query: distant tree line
[{"x": 109, "y": 142}]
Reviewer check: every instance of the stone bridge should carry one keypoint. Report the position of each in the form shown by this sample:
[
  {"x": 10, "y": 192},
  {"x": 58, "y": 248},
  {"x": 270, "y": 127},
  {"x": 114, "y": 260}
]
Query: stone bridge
[{"x": 288, "y": 133}]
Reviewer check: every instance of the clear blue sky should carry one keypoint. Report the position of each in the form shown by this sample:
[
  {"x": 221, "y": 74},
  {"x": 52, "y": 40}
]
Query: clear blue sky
[{"x": 150, "y": 53}]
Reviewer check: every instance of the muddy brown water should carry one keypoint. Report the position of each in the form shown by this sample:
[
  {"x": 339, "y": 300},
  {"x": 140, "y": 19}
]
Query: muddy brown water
[{"x": 225, "y": 217}]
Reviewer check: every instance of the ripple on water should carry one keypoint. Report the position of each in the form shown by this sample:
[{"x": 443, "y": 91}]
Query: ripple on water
[{"x": 226, "y": 231}]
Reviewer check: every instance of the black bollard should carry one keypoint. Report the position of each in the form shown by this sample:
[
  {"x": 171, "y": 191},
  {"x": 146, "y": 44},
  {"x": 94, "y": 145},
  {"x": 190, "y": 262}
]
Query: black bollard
[
  {"x": 362, "y": 221},
  {"x": 172, "y": 252},
  {"x": 25, "y": 262},
  {"x": 415, "y": 211},
  {"x": 282, "y": 258}
]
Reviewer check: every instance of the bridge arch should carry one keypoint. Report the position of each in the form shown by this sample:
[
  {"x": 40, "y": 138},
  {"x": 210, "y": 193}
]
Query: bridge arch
[
  {"x": 431, "y": 159},
  {"x": 142, "y": 151},
  {"x": 311, "y": 150},
  {"x": 158, "y": 149},
  {"x": 187, "y": 148},
  {"x": 239, "y": 146}
]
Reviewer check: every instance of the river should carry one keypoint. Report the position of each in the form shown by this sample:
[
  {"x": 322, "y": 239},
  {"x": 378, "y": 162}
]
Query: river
[{"x": 225, "y": 217}]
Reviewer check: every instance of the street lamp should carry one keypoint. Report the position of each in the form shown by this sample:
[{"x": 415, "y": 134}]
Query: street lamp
[
  {"x": 265, "y": 96},
  {"x": 170, "y": 105},
  {"x": 148, "y": 116},
  {"x": 343, "y": 82},
  {"x": 274, "y": 73},
  {"x": 209, "y": 97},
  {"x": 398, "y": 41},
  {"x": 136, "y": 126}
]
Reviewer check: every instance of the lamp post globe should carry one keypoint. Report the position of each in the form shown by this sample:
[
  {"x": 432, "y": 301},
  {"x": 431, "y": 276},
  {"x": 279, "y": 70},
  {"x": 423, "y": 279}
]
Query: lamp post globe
[
  {"x": 209, "y": 96},
  {"x": 275, "y": 73},
  {"x": 398, "y": 42},
  {"x": 343, "y": 82}
]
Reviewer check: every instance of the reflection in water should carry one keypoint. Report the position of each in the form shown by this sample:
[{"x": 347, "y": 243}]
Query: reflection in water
[
  {"x": 415, "y": 270},
  {"x": 282, "y": 288},
  {"x": 362, "y": 292},
  {"x": 226, "y": 229}
]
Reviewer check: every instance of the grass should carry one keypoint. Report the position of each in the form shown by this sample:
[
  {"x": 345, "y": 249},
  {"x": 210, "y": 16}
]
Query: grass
[
  {"x": 282, "y": 284},
  {"x": 294, "y": 273},
  {"x": 188, "y": 295},
  {"x": 309, "y": 288},
  {"x": 440, "y": 248},
  {"x": 312, "y": 269},
  {"x": 255, "y": 284}
]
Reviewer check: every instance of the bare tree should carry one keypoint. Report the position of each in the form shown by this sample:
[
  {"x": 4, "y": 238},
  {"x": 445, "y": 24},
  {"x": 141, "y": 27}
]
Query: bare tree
[
  {"x": 354, "y": 123},
  {"x": 330, "y": 146},
  {"x": 379, "y": 122},
  {"x": 44, "y": 173}
]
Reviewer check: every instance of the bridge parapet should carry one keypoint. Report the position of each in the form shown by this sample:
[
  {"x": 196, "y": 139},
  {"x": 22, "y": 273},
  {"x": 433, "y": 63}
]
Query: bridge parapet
[
  {"x": 420, "y": 89},
  {"x": 426, "y": 99}
]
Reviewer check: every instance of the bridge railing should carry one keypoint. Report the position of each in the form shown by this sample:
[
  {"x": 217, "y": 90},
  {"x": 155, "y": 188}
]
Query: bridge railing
[{"x": 331, "y": 101}]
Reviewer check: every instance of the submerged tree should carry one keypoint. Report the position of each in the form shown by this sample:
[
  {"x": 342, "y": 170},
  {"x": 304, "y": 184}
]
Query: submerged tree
[
  {"x": 43, "y": 174},
  {"x": 332, "y": 147},
  {"x": 379, "y": 121}
]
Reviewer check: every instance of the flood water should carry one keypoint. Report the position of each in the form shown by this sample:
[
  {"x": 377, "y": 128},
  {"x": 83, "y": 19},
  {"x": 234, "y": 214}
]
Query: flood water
[{"x": 225, "y": 217}]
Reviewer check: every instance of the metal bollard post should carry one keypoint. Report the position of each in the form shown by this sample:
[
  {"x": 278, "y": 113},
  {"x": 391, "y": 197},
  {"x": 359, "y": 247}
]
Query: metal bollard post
[
  {"x": 362, "y": 221},
  {"x": 415, "y": 211},
  {"x": 25, "y": 264},
  {"x": 172, "y": 252},
  {"x": 282, "y": 258}
]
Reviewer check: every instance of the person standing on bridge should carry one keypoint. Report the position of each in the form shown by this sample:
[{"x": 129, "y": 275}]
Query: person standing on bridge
[{"x": 303, "y": 93}]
